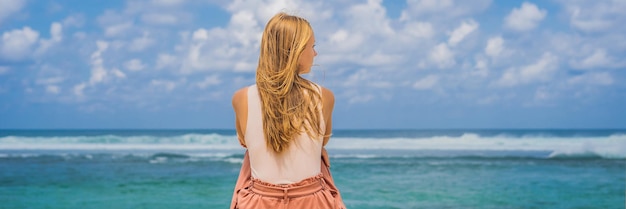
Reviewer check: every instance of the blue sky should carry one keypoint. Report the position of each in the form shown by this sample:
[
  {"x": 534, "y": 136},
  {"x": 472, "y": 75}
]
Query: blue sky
[{"x": 414, "y": 64}]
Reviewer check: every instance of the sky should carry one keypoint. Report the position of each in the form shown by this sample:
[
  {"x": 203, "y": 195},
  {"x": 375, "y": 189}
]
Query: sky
[{"x": 414, "y": 64}]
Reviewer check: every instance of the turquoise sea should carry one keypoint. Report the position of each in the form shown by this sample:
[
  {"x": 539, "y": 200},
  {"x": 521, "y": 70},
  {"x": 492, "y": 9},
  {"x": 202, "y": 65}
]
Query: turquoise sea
[{"x": 372, "y": 168}]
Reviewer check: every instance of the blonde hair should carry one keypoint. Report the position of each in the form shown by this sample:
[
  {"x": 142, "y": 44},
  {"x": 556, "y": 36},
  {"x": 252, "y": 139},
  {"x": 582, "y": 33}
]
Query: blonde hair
[{"x": 288, "y": 101}]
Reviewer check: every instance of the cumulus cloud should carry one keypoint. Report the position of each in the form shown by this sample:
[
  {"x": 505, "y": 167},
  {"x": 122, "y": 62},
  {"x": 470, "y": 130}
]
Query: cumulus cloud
[
  {"x": 601, "y": 78},
  {"x": 98, "y": 72},
  {"x": 360, "y": 98},
  {"x": 166, "y": 61},
  {"x": 595, "y": 16},
  {"x": 159, "y": 19},
  {"x": 525, "y": 18},
  {"x": 118, "y": 73},
  {"x": 223, "y": 48},
  {"x": 18, "y": 44},
  {"x": 53, "y": 89},
  {"x": 117, "y": 29},
  {"x": 598, "y": 59},
  {"x": 463, "y": 30},
  {"x": 51, "y": 84},
  {"x": 360, "y": 46},
  {"x": 345, "y": 40},
  {"x": 134, "y": 65},
  {"x": 141, "y": 43},
  {"x": 76, "y": 20},
  {"x": 167, "y": 2},
  {"x": 495, "y": 46},
  {"x": 56, "y": 36},
  {"x": 419, "y": 29},
  {"x": 442, "y": 56},
  {"x": 79, "y": 90},
  {"x": 542, "y": 70},
  {"x": 442, "y": 9},
  {"x": 370, "y": 18},
  {"x": 426, "y": 83},
  {"x": 166, "y": 85},
  {"x": 209, "y": 81},
  {"x": 50, "y": 80},
  {"x": 10, "y": 7}
]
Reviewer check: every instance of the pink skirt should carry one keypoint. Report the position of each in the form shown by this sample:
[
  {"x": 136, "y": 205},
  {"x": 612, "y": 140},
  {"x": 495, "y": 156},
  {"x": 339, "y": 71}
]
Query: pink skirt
[{"x": 311, "y": 192}]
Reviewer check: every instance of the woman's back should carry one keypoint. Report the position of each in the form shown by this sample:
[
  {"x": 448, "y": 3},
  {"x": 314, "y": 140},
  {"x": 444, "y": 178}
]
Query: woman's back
[
  {"x": 291, "y": 165},
  {"x": 284, "y": 121}
]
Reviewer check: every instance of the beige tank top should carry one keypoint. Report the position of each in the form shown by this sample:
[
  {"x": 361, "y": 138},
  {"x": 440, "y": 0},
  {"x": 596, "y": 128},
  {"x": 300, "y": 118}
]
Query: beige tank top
[{"x": 299, "y": 161}]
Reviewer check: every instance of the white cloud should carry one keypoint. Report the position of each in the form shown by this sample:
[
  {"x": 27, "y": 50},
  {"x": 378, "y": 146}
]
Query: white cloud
[
  {"x": 245, "y": 28},
  {"x": 56, "y": 36},
  {"x": 17, "y": 44},
  {"x": 141, "y": 43},
  {"x": 442, "y": 9},
  {"x": 542, "y": 94},
  {"x": 481, "y": 68},
  {"x": 53, "y": 89},
  {"x": 427, "y": 82},
  {"x": 463, "y": 30},
  {"x": 244, "y": 66},
  {"x": 369, "y": 17},
  {"x": 118, "y": 29},
  {"x": 360, "y": 98},
  {"x": 168, "y": 2},
  {"x": 525, "y": 18},
  {"x": 164, "y": 84},
  {"x": 50, "y": 80},
  {"x": 222, "y": 49},
  {"x": 419, "y": 29},
  {"x": 98, "y": 72},
  {"x": 351, "y": 35},
  {"x": 595, "y": 16},
  {"x": 79, "y": 90},
  {"x": 159, "y": 19},
  {"x": 10, "y": 7},
  {"x": 134, "y": 65},
  {"x": 345, "y": 41},
  {"x": 588, "y": 24},
  {"x": 264, "y": 10},
  {"x": 74, "y": 21},
  {"x": 602, "y": 78},
  {"x": 209, "y": 81},
  {"x": 542, "y": 70},
  {"x": 357, "y": 78},
  {"x": 118, "y": 73},
  {"x": 495, "y": 46},
  {"x": 51, "y": 84},
  {"x": 200, "y": 35},
  {"x": 165, "y": 60},
  {"x": 598, "y": 59},
  {"x": 442, "y": 56}
]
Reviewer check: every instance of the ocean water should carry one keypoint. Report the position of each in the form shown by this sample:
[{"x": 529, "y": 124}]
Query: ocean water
[{"x": 372, "y": 168}]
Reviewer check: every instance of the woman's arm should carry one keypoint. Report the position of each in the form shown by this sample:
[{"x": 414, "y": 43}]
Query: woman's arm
[
  {"x": 240, "y": 105},
  {"x": 328, "y": 102}
]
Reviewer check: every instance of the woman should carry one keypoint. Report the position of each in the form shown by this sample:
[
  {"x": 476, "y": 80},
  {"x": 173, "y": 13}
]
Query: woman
[{"x": 284, "y": 121}]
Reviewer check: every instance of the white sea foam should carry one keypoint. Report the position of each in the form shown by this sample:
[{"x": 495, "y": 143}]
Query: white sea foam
[{"x": 612, "y": 146}]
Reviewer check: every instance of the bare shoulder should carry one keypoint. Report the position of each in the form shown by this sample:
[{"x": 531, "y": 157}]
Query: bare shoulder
[
  {"x": 240, "y": 96},
  {"x": 327, "y": 96},
  {"x": 328, "y": 99}
]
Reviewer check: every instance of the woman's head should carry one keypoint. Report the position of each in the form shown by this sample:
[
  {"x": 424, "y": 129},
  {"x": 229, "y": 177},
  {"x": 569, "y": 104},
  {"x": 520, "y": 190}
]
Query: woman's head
[
  {"x": 287, "y": 46},
  {"x": 288, "y": 100}
]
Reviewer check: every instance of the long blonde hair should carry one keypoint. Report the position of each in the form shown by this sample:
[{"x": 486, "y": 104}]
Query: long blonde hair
[{"x": 289, "y": 103}]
